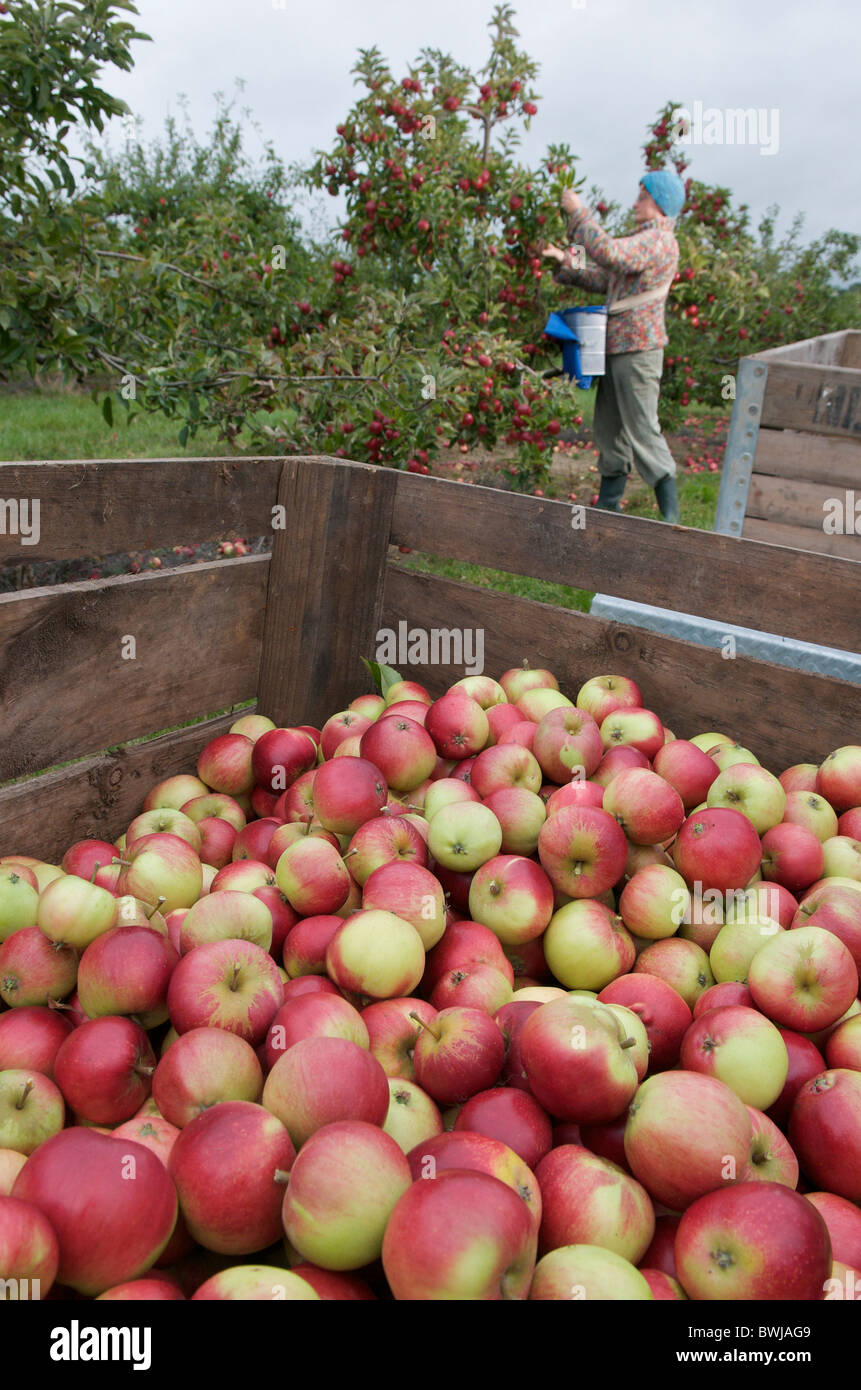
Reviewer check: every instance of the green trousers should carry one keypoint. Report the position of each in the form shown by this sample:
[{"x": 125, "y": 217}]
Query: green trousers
[{"x": 625, "y": 427}]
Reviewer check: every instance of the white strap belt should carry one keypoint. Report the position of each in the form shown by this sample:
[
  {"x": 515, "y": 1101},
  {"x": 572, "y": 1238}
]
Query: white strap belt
[{"x": 621, "y": 306}]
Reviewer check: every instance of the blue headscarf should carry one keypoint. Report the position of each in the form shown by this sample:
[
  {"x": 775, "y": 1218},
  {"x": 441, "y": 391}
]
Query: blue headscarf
[{"x": 667, "y": 190}]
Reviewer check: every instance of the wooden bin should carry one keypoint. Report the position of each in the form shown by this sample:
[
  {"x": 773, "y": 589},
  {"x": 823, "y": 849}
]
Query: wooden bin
[
  {"x": 792, "y": 468},
  {"x": 288, "y": 631}
]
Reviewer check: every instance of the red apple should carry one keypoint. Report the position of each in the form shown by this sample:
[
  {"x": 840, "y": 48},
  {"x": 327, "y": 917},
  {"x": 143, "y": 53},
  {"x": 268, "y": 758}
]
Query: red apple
[
  {"x": 681, "y": 964},
  {"x": 320, "y": 1080},
  {"x": 215, "y": 805},
  {"x": 313, "y": 1016},
  {"x": 333, "y": 1287},
  {"x": 721, "y": 996},
  {"x": 839, "y": 778},
  {"x": 835, "y": 908},
  {"x": 34, "y": 970},
  {"x": 513, "y": 1117},
  {"x": 637, "y": 728},
  {"x": 582, "y": 850},
  {"x": 458, "y": 1054},
  {"x": 345, "y": 724},
  {"x": 161, "y": 866},
  {"x": 155, "y": 1289},
  {"x": 717, "y": 848},
  {"x": 523, "y": 732},
  {"x": 687, "y": 768},
  {"x": 233, "y": 985},
  {"x": 792, "y": 856},
  {"x": 567, "y": 742},
  {"x": 29, "y": 1252},
  {"x": 741, "y": 1048},
  {"x": 217, "y": 838},
  {"x": 458, "y": 725},
  {"x": 850, "y": 823},
  {"x": 402, "y": 749},
  {"x": 104, "y": 1069},
  {"x": 665, "y": 1015},
  {"x": 387, "y": 840},
  {"x": 377, "y": 954},
  {"x": 393, "y": 1033},
  {"x": 843, "y": 1220},
  {"x": 602, "y": 695},
  {"x": 30, "y": 1037},
  {"x": 586, "y": 945},
  {"x": 805, "y": 1062},
  {"x": 647, "y": 808},
  {"x": 84, "y": 856},
  {"x": 70, "y": 910},
  {"x": 771, "y": 1157},
  {"x": 825, "y": 1131},
  {"x": 412, "y": 893},
  {"x": 577, "y": 1060},
  {"x": 589, "y": 1201},
  {"x": 465, "y": 1149},
  {"x": 501, "y": 720},
  {"x": 280, "y": 756},
  {"x": 226, "y": 915},
  {"x": 661, "y": 1252},
  {"x": 513, "y": 896},
  {"x": 307, "y": 943},
  {"x": 803, "y": 979},
  {"x": 843, "y": 1046},
  {"x": 616, "y": 760},
  {"x": 173, "y": 792},
  {"x": 654, "y": 902},
  {"x": 347, "y": 792},
  {"x": 201, "y": 1068}
]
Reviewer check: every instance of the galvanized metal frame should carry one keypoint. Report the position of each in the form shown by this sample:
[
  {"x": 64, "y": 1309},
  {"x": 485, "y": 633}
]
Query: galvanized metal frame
[{"x": 741, "y": 442}]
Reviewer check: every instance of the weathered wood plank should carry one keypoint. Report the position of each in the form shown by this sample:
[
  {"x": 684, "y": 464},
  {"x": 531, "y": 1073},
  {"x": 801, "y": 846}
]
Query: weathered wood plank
[
  {"x": 822, "y": 399},
  {"x": 783, "y": 716},
  {"x": 109, "y": 506},
  {"x": 828, "y": 349},
  {"x": 699, "y": 572},
  {"x": 96, "y": 798},
  {"x": 325, "y": 587},
  {"x": 66, "y": 687},
  {"x": 778, "y": 533},
  {"x": 816, "y": 458},
  {"x": 797, "y": 502}
]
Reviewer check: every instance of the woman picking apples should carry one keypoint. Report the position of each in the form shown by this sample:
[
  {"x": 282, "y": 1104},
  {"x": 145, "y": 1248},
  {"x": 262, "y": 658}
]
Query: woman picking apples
[{"x": 636, "y": 272}]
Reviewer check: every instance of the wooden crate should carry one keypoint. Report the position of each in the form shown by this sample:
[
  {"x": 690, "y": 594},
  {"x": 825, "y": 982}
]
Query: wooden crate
[
  {"x": 793, "y": 455},
  {"x": 289, "y": 631}
]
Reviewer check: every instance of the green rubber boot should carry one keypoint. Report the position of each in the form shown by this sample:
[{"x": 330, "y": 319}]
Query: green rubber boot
[
  {"x": 668, "y": 500},
  {"x": 611, "y": 491}
]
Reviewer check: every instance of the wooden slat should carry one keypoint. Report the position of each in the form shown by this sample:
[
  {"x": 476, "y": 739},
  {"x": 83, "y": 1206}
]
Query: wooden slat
[
  {"x": 799, "y": 538},
  {"x": 712, "y": 576},
  {"x": 828, "y": 349},
  {"x": 800, "y": 503},
  {"x": 817, "y": 458},
  {"x": 66, "y": 689},
  {"x": 97, "y": 797},
  {"x": 822, "y": 399},
  {"x": 851, "y": 354},
  {"x": 325, "y": 588},
  {"x": 783, "y": 716},
  {"x": 109, "y": 506}
]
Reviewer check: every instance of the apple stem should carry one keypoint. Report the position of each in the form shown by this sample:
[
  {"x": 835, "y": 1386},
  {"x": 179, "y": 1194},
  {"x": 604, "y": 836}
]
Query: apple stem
[
  {"x": 125, "y": 862},
  {"x": 96, "y": 868},
  {"x": 282, "y": 1176},
  {"x": 235, "y": 981},
  {"x": 422, "y": 1024},
  {"x": 161, "y": 899},
  {"x": 25, "y": 1091},
  {"x": 628, "y": 1042},
  {"x": 144, "y": 1070},
  {"x": 348, "y": 853}
]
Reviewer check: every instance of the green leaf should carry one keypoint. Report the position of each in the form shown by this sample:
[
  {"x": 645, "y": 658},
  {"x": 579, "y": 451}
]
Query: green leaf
[
  {"x": 384, "y": 677},
  {"x": 183, "y": 436},
  {"x": 108, "y": 410}
]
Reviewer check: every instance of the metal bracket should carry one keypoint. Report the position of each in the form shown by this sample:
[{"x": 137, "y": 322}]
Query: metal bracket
[{"x": 741, "y": 446}]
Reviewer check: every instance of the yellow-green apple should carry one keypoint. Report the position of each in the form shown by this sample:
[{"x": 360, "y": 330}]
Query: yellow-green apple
[
  {"x": 313, "y": 876},
  {"x": 523, "y": 732},
  {"x": 511, "y": 1116},
  {"x": 654, "y": 902},
  {"x": 567, "y": 739},
  {"x": 717, "y": 848},
  {"x": 472, "y": 987},
  {"x": 387, "y": 840},
  {"x": 174, "y": 792},
  {"x": 291, "y": 831},
  {"x": 226, "y": 915},
  {"x": 279, "y": 756},
  {"x": 753, "y": 791},
  {"x": 521, "y": 814},
  {"x": 406, "y": 690},
  {"x": 347, "y": 723},
  {"x": 582, "y": 850},
  {"x": 792, "y": 856},
  {"x": 307, "y": 943},
  {"x": 763, "y": 898},
  {"x": 805, "y": 1062},
  {"x": 484, "y": 689},
  {"x": 30, "y": 1037},
  {"x": 662, "y": 1010},
  {"x": 616, "y": 760},
  {"x": 632, "y": 1026},
  {"x": 825, "y": 1131},
  {"x": 233, "y": 985},
  {"x": 839, "y": 778},
  {"x": 465, "y": 1149},
  {"x": 637, "y": 728},
  {"x": 255, "y": 1283},
  {"x": 370, "y": 705},
  {"x": 513, "y": 896},
  {"x": 602, "y": 695},
  {"x": 109, "y": 1229},
  {"x": 215, "y": 804},
  {"x": 412, "y": 893},
  {"x": 687, "y": 1134},
  {"x": 577, "y": 1060},
  {"x": 104, "y": 1069},
  {"x": 835, "y": 908},
  {"x": 217, "y": 838},
  {"x": 741, "y": 1048},
  {"x": 458, "y": 725},
  {"x": 587, "y": 1272},
  {"x": 348, "y": 791},
  {"x": 31, "y": 1109},
  {"x": 737, "y": 943},
  {"x": 842, "y": 857},
  {"x": 465, "y": 943},
  {"x": 313, "y": 1016},
  {"x": 376, "y": 953},
  {"x": 534, "y": 704},
  {"x": 72, "y": 910},
  {"x": 340, "y": 1194},
  {"x": 401, "y": 748},
  {"x": 487, "y": 1251},
  {"x": 350, "y": 747},
  {"x": 843, "y": 1046},
  {"x": 458, "y": 1053},
  {"x": 201, "y": 1068},
  {"x": 703, "y": 919},
  {"x": 34, "y": 970},
  {"x": 224, "y": 764},
  {"x": 588, "y": 1200},
  {"x": 771, "y": 1155},
  {"x": 252, "y": 726},
  {"x": 727, "y": 755},
  {"x": 463, "y": 835},
  {"x": 505, "y": 765},
  {"x": 711, "y": 740},
  {"x": 843, "y": 1220},
  {"x": 813, "y": 812},
  {"x": 412, "y": 1116},
  {"x": 160, "y": 865},
  {"x": 29, "y": 1251},
  {"x": 586, "y": 945},
  {"x": 127, "y": 971},
  {"x": 721, "y": 996},
  {"x": 688, "y": 769},
  {"x": 165, "y": 820},
  {"x": 223, "y": 1165},
  {"x": 647, "y": 808},
  {"x": 392, "y": 1033},
  {"x": 682, "y": 964},
  {"x": 663, "y": 1286},
  {"x": 320, "y": 1080},
  {"x": 445, "y": 790},
  {"x": 519, "y": 679},
  {"x": 803, "y": 979}
]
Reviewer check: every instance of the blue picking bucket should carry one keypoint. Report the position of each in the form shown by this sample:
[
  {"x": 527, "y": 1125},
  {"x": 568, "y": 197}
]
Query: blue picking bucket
[{"x": 582, "y": 335}]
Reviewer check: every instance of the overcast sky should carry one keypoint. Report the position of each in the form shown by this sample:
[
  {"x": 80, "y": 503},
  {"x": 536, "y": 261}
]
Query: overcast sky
[{"x": 606, "y": 66}]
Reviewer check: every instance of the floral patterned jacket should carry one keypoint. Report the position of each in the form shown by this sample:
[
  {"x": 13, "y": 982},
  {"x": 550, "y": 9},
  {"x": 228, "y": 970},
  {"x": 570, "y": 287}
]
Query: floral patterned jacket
[{"x": 624, "y": 266}]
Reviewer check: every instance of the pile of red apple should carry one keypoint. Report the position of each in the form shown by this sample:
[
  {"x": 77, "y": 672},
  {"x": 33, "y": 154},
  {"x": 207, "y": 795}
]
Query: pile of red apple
[{"x": 497, "y": 995}]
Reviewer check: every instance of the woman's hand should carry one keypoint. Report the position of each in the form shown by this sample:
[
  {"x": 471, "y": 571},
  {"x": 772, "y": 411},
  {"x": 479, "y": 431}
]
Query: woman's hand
[
  {"x": 553, "y": 253},
  {"x": 571, "y": 201}
]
